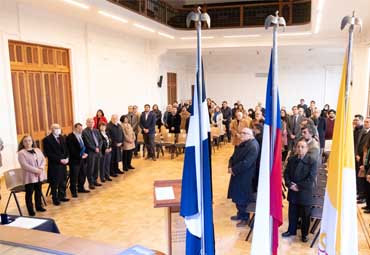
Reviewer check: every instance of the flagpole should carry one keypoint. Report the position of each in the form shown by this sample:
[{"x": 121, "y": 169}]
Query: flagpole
[
  {"x": 198, "y": 17},
  {"x": 351, "y": 21},
  {"x": 274, "y": 21}
]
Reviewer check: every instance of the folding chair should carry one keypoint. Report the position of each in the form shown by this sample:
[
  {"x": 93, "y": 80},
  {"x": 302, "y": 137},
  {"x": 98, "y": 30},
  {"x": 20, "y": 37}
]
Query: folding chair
[
  {"x": 251, "y": 208},
  {"x": 14, "y": 181}
]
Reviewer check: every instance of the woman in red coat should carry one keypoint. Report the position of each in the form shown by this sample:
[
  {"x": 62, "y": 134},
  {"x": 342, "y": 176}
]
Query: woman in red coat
[{"x": 99, "y": 118}]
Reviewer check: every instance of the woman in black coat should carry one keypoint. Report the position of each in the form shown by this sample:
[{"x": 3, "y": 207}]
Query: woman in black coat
[
  {"x": 299, "y": 176},
  {"x": 242, "y": 167}
]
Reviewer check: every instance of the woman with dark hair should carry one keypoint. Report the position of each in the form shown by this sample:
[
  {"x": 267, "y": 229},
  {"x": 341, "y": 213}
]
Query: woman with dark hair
[
  {"x": 99, "y": 118},
  {"x": 106, "y": 150},
  {"x": 32, "y": 161},
  {"x": 325, "y": 111},
  {"x": 128, "y": 144},
  {"x": 158, "y": 114},
  {"x": 251, "y": 113}
]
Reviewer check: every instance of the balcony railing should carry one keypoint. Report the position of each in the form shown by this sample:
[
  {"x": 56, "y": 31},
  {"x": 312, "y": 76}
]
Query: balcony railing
[{"x": 295, "y": 12}]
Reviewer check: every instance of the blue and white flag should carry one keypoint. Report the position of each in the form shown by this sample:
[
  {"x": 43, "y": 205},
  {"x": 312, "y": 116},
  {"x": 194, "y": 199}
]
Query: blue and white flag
[{"x": 196, "y": 193}]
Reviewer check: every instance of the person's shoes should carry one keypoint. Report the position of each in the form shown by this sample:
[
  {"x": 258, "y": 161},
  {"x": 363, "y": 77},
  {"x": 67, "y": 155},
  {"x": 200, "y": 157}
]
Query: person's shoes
[
  {"x": 41, "y": 209},
  {"x": 102, "y": 180},
  {"x": 361, "y": 201},
  {"x": 131, "y": 167},
  {"x": 64, "y": 199},
  {"x": 304, "y": 239},
  {"x": 74, "y": 195},
  {"x": 109, "y": 179},
  {"x": 154, "y": 158},
  {"x": 242, "y": 223},
  {"x": 83, "y": 191},
  {"x": 98, "y": 184},
  {"x": 367, "y": 211},
  {"x": 287, "y": 234},
  {"x": 91, "y": 187},
  {"x": 120, "y": 172},
  {"x": 235, "y": 217},
  {"x": 56, "y": 203},
  {"x": 31, "y": 213},
  {"x": 114, "y": 175},
  {"x": 365, "y": 207},
  {"x": 125, "y": 169},
  {"x": 147, "y": 158}
]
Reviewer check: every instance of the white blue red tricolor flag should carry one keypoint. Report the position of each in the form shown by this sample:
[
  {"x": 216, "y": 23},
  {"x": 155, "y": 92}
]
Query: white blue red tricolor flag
[
  {"x": 269, "y": 215},
  {"x": 196, "y": 193}
]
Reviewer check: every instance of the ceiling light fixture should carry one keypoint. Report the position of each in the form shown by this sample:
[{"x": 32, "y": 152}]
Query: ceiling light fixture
[
  {"x": 166, "y": 35},
  {"x": 78, "y": 4},
  {"x": 144, "y": 28},
  {"x": 241, "y": 36},
  {"x": 194, "y": 38},
  {"x": 106, "y": 14},
  {"x": 319, "y": 9}
]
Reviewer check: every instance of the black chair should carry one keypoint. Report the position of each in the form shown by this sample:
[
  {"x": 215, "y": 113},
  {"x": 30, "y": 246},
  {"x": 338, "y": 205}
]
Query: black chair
[
  {"x": 251, "y": 208},
  {"x": 316, "y": 215}
]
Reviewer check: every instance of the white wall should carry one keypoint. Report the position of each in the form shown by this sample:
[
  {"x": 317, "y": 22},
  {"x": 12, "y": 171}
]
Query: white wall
[
  {"x": 231, "y": 74},
  {"x": 110, "y": 69}
]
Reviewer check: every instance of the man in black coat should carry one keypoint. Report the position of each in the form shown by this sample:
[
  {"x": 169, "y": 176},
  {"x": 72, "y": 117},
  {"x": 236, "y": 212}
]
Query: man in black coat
[
  {"x": 115, "y": 132},
  {"x": 173, "y": 123},
  {"x": 299, "y": 175},
  {"x": 93, "y": 143},
  {"x": 147, "y": 124},
  {"x": 363, "y": 139},
  {"x": 226, "y": 115},
  {"x": 77, "y": 153},
  {"x": 242, "y": 167},
  {"x": 55, "y": 149}
]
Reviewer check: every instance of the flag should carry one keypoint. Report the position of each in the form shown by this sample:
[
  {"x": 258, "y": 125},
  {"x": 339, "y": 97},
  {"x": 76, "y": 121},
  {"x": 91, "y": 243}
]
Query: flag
[
  {"x": 269, "y": 214},
  {"x": 196, "y": 192},
  {"x": 338, "y": 233}
]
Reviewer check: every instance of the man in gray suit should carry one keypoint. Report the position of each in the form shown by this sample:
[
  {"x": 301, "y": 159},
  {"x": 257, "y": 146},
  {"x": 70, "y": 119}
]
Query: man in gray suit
[
  {"x": 93, "y": 143},
  {"x": 293, "y": 127}
]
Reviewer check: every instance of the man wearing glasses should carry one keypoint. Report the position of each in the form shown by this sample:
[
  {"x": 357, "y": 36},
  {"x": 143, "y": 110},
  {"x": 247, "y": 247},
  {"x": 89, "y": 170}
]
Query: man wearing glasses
[{"x": 242, "y": 168}]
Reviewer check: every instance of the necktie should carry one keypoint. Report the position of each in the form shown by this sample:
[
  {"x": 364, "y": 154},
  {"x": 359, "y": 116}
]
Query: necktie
[
  {"x": 80, "y": 141},
  {"x": 58, "y": 139},
  {"x": 294, "y": 123},
  {"x": 95, "y": 138}
]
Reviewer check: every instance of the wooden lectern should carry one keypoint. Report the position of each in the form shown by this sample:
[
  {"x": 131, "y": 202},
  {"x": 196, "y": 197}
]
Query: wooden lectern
[{"x": 176, "y": 229}]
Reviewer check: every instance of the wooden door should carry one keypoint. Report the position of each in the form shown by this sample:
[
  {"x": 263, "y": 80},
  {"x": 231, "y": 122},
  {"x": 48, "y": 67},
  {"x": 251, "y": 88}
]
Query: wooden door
[
  {"x": 171, "y": 88},
  {"x": 41, "y": 89}
]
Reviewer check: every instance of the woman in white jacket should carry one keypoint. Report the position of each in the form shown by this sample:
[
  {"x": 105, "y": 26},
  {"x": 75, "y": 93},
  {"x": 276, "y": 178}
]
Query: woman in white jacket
[{"x": 216, "y": 119}]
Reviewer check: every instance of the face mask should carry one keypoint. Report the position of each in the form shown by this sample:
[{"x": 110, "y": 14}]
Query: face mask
[{"x": 57, "y": 131}]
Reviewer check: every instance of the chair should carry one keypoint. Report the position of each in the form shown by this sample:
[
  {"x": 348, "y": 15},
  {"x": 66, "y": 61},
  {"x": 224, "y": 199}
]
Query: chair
[
  {"x": 169, "y": 142},
  {"x": 158, "y": 144},
  {"x": 14, "y": 181},
  {"x": 215, "y": 136},
  {"x": 251, "y": 208},
  {"x": 181, "y": 142},
  {"x": 140, "y": 141},
  {"x": 316, "y": 215}
]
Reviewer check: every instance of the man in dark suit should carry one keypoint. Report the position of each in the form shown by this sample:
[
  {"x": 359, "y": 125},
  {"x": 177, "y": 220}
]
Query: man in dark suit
[
  {"x": 115, "y": 132},
  {"x": 293, "y": 127},
  {"x": 147, "y": 125},
  {"x": 363, "y": 139},
  {"x": 302, "y": 104},
  {"x": 93, "y": 143},
  {"x": 242, "y": 168},
  {"x": 299, "y": 176},
  {"x": 77, "y": 153},
  {"x": 226, "y": 115},
  {"x": 56, "y": 151}
]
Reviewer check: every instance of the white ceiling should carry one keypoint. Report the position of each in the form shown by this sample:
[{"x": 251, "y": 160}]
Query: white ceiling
[{"x": 329, "y": 33}]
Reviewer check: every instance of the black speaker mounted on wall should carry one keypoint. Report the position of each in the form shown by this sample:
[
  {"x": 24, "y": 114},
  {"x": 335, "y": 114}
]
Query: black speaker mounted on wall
[{"x": 159, "y": 83}]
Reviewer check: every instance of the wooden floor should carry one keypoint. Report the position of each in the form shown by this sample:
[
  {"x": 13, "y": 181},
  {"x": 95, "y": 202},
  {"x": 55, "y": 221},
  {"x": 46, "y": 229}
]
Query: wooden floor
[{"x": 121, "y": 212}]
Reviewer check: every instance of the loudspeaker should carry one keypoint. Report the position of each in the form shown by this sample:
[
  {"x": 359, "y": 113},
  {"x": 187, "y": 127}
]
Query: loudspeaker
[{"x": 159, "y": 83}]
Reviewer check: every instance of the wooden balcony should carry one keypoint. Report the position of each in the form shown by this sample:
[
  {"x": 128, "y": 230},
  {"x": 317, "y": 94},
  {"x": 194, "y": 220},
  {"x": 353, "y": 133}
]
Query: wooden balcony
[{"x": 295, "y": 12}]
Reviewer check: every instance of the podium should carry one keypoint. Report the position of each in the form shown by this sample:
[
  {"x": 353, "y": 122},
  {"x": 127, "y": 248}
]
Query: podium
[{"x": 175, "y": 227}]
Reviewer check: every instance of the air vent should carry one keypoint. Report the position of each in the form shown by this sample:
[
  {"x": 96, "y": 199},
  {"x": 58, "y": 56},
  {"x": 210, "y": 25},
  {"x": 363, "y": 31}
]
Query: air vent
[{"x": 261, "y": 75}]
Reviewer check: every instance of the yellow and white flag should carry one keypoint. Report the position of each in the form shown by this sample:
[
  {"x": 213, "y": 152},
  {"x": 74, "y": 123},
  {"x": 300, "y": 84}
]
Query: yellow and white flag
[{"x": 338, "y": 235}]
